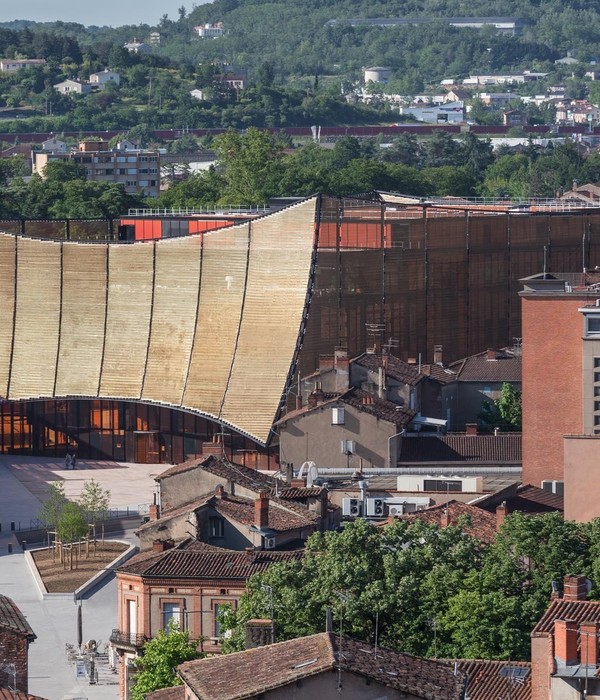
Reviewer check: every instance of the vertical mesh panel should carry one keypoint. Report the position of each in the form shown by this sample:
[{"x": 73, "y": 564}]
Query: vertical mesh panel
[
  {"x": 82, "y": 320},
  {"x": 7, "y": 307},
  {"x": 37, "y": 319},
  {"x": 130, "y": 278},
  {"x": 177, "y": 275}
]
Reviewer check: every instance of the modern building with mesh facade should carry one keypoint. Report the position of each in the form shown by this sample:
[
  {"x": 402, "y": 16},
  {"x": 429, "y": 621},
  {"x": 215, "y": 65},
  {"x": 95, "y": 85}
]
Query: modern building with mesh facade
[{"x": 115, "y": 346}]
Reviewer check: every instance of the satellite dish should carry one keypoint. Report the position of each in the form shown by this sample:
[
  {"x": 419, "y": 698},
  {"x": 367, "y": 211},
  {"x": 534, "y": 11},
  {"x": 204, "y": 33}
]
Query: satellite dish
[{"x": 306, "y": 469}]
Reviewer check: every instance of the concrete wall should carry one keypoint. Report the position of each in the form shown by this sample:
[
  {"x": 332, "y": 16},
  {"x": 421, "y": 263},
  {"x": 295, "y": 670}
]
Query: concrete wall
[
  {"x": 582, "y": 472},
  {"x": 312, "y": 437},
  {"x": 552, "y": 380},
  {"x": 184, "y": 487},
  {"x": 466, "y": 400}
]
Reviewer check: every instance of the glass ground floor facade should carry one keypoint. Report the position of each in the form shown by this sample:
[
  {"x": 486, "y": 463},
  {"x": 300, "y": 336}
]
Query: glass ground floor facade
[{"x": 118, "y": 430}]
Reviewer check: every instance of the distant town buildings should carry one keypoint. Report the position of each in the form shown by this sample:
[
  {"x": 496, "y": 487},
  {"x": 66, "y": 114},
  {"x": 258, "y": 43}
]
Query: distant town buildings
[
  {"x": 137, "y": 170},
  {"x": 503, "y": 25},
  {"x": 104, "y": 77},
  {"x": 72, "y": 87}
]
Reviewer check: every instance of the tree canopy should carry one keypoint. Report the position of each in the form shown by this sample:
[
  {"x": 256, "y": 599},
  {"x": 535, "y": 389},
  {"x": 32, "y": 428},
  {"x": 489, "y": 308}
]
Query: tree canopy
[{"x": 431, "y": 591}]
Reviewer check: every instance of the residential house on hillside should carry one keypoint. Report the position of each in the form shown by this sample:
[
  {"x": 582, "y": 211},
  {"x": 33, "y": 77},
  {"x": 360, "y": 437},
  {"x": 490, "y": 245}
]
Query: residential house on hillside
[
  {"x": 12, "y": 65},
  {"x": 210, "y": 31},
  {"x": 73, "y": 87},
  {"x": 321, "y": 665},
  {"x": 104, "y": 77},
  {"x": 187, "y": 583},
  {"x": 54, "y": 145},
  {"x": 136, "y": 46}
]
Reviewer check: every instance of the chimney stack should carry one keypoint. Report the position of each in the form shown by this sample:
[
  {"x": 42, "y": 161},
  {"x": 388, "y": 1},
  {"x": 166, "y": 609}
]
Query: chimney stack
[
  {"x": 491, "y": 354},
  {"x": 471, "y": 429},
  {"x": 220, "y": 491},
  {"x": 445, "y": 517},
  {"x": 162, "y": 545},
  {"x": 437, "y": 355},
  {"x": 575, "y": 588},
  {"x": 261, "y": 511},
  {"x": 316, "y": 397},
  {"x": 565, "y": 641},
  {"x": 249, "y": 554},
  {"x": 501, "y": 513},
  {"x": 588, "y": 634},
  {"x": 154, "y": 511},
  {"x": 259, "y": 633}
]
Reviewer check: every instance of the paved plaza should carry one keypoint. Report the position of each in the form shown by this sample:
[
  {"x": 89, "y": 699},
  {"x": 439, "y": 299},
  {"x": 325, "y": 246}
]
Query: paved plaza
[{"x": 23, "y": 484}]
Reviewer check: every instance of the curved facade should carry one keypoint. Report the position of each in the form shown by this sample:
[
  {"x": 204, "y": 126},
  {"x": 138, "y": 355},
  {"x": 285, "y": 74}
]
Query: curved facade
[{"x": 208, "y": 323}]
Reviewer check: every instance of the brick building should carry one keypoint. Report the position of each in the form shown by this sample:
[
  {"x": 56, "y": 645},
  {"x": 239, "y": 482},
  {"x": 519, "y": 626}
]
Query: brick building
[
  {"x": 187, "y": 583},
  {"x": 15, "y": 637},
  {"x": 561, "y": 387}
]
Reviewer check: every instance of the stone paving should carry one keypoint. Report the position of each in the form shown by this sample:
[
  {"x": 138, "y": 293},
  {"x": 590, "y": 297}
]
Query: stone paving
[{"x": 23, "y": 484}]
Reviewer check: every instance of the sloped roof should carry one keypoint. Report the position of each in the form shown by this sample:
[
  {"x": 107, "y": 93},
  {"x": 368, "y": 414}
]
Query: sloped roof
[
  {"x": 175, "y": 693},
  {"x": 404, "y": 372},
  {"x": 11, "y": 618},
  {"x": 522, "y": 497},
  {"x": 482, "y": 524},
  {"x": 504, "y": 448},
  {"x": 197, "y": 560},
  {"x": 363, "y": 402},
  {"x": 283, "y": 515},
  {"x": 9, "y": 694},
  {"x": 505, "y": 367},
  {"x": 492, "y": 679},
  {"x": 576, "y": 610},
  {"x": 255, "y": 671}
]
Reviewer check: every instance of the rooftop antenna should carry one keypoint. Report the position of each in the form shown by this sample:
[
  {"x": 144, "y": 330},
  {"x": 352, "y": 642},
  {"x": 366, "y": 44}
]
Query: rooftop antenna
[{"x": 545, "y": 260}]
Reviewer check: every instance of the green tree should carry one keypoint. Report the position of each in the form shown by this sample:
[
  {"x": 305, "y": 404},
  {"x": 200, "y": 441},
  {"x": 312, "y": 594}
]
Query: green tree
[
  {"x": 94, "y": 499},
  {"x": 72, "y": 524},
  {"x": 505, "y": 412},
  {"x": 54, "y": 504},
  {"x": 161, "y": 656}
]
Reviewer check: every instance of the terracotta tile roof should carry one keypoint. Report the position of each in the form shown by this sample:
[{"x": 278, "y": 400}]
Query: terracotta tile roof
[
  {"x": 396, "y": 368},
  {"x": 175, "y": 693},
  {"x": 523, "y": 498},
  {"x": 503, "y": 448},
  {"x": 576, "y": 610},
  {"x": 362, "y": 401},
  {"x": 198, "y": 560},
  {"x": 283, "y": 515},
  {"x": 488, "y": 680},
  {"x": 379, "y": 408},
  {"x": 256, "y": 671},
  {"x": 404, "y": 372},
  {"x": 171, "y": 513},
  {"x": 11, "y": 618},
  {"x": 177, "y": 469},
  {"x": 244, "y": 476},
  {"x": 506, "y": 367},
  {"x": 297, "y": 493},
  {"x": 8, "y": 694},
  {"x": 483, "y": 524}
]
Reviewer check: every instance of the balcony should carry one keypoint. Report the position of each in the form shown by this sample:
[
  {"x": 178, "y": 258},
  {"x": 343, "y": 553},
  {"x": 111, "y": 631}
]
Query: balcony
[{"x": 127, "y": 640}]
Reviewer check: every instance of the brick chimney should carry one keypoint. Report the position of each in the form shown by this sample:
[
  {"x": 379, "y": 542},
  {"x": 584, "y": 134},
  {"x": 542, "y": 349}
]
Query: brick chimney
[
  {"x": 154, "y": 511},
  {"x": 214, "y": 448},
  {"x": 249, "y": 554},
  {"x": 259, "y": 633},
  {"x": 588, "y": 635},
  {"x": 411, "y": 361},
  {"x": 575, "y": 588},
  {"x": 315, "y": 397},
  {"x": 565, "y": 641},
  {"x": 437, "y": 355},
  {"x": 341, "y": 363},
  {"x": 471, "y": 429},
  {"x": 491, "y": 354},
  {"x": 501, "y": 513},
  {"x": 220, "y": 491},
  {"x": 446, "y": 520},
  {"x": 162, "y": 545},
  {"x": 261, "y": 511}
]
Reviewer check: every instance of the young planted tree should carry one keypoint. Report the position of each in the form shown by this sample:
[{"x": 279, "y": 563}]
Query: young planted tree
[
  {"x": 53, "y": 505},
  {"x": 94, "y": 500},
  {"x": 161, "y": 656},
  {"x": 71, "y": 526}
]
